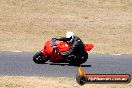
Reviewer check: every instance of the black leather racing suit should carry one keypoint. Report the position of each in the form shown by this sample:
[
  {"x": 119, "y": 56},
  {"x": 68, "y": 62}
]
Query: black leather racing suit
[{"x": 77, "y": 47}]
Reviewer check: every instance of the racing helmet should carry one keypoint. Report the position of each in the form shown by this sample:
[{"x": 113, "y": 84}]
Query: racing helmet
[{"x": 69, "y": 35}]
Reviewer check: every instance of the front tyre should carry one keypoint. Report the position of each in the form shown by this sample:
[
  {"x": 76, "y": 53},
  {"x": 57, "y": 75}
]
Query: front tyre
[{"x": 38, "y": 58}]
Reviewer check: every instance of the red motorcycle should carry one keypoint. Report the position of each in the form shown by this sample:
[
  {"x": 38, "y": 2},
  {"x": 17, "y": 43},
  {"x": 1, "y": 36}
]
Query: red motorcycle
[{"x": 48, "y": 53}]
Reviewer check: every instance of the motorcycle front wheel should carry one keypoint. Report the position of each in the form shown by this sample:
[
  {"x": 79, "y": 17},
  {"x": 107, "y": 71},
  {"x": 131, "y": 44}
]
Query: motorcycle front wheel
[{"x": 38, "y": 58}]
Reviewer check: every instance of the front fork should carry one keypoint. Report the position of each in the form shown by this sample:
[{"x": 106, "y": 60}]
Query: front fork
[{"x": 44, "y": 55}]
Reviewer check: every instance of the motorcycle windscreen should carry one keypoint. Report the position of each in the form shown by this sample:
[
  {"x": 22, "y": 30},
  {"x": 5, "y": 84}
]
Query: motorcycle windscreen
[{"x": 88, "y": 47}]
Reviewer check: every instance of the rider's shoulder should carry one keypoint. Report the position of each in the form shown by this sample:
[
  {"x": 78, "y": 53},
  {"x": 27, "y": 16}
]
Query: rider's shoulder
[{"x": 77, "y": 38}]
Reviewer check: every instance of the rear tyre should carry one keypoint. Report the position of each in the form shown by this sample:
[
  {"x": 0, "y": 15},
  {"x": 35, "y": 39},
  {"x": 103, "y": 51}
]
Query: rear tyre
[
  {"x": 79, "y": 61},
  {"x": 38, "y": 58}
]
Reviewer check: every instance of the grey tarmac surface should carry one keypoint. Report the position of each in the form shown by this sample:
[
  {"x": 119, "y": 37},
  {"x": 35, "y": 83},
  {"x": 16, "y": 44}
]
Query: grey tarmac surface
[{"x": 21, "y": 64}]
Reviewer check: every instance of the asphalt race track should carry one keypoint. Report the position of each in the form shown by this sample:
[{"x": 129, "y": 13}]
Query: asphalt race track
[{"x": 21, "y": 64}]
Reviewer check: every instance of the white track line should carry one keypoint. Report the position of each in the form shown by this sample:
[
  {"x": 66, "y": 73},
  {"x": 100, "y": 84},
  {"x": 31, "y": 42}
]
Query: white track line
[
  {"x": 116, "y": 54},
  {"x": 16, "y": 51},
  {"x": 110, "y": 54}
]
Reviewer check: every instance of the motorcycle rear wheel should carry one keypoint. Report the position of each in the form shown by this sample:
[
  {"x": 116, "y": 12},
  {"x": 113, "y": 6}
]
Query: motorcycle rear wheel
[
  {"x": 38, "y": 58},
  {"x": 78, "y": 61}
]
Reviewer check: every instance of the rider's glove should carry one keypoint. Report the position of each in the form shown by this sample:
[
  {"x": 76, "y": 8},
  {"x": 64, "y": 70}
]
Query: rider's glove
[{"x": 55, "y": 38}]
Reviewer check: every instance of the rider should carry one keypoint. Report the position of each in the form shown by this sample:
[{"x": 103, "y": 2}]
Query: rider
[{"x": 77, "y": 46}]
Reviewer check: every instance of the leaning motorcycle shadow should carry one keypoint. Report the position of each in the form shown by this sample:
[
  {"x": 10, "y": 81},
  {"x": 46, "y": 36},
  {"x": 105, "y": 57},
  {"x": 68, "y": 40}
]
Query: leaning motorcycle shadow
[{"x": 67, "y": 64}]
